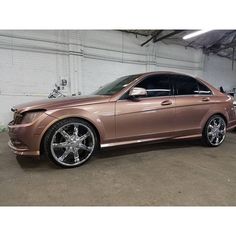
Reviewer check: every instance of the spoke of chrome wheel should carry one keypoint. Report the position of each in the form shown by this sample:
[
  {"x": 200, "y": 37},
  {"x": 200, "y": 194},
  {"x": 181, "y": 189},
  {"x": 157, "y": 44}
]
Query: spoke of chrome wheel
[
  {"x": 86, "y": 148},
  {"x": 217, "y": 140},
  {"x": 210, "y": 126},
  {"x": 83, "y": 137},
  {"x": 222, "y": 131},
  {"x": 76, "y": 155},
  {"x": 210, "y": 133},
  {"x": 60, "y": 145},
  {"x": 220, "y": 123},
  {"x": 65, "y": 154},
  {"x": 64, "y": 134},
  {"x": 212, "y": 138},
  {"x": 76, "y": 130},
  {"x": 214, "y": 122}
]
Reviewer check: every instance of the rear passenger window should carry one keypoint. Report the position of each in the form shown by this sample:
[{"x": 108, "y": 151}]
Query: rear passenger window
[
  {"x": 185, "y": 85},
  {"x": 203, "y": 89}
]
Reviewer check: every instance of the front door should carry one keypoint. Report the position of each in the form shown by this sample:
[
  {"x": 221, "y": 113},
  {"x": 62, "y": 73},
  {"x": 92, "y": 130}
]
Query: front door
[{"x": 147, "y": 117}]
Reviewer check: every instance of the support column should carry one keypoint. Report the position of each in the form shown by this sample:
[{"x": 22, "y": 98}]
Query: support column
[{"x": 75, "y": 66}]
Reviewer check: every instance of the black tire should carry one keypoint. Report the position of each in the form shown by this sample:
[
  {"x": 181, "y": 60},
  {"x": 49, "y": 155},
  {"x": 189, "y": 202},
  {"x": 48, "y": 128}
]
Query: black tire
[
  {"x": 57, "y": 126},
  {"x": 205, "y": 134}
]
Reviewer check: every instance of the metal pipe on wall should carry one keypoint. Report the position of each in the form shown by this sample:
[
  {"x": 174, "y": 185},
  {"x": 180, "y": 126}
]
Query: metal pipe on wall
[
  {"x": 91, "y": 47},
  {"x": 94, "y": 56},
  {"x": 233, "y": 58}
]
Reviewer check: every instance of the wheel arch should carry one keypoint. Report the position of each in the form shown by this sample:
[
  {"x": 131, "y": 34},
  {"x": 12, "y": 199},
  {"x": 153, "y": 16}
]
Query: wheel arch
[
  {"x": 41, "y": 149},
  {"x": 204, "y": 122},
  {"x": 222, "y": 115}
]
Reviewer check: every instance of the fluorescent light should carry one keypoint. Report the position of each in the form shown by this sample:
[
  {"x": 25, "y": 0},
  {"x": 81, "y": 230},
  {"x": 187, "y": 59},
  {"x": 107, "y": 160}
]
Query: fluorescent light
[{"x": 196, "y": 33}]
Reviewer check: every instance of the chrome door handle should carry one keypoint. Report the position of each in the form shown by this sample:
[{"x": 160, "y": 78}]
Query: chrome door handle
[
  {"x": 206, "y": 99},
  {"x": 166, "y": 102}
]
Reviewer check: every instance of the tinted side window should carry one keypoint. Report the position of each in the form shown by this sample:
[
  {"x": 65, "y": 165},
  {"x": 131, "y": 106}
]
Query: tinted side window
[
  {"x": 185, "y": 85},
  {"x": 156, "y": 86},
  {"x": 203, "y": 89}
]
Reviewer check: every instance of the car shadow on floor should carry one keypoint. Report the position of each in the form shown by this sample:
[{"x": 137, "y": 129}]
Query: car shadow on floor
[
  {"x": 146, "y": 147},
  {"x": 28, "y": 162},
  {"x": 43, "y": 162}
]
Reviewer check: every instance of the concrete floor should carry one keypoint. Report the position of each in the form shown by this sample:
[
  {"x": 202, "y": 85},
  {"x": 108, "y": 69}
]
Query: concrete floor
[{"x": 179, "y": 173}]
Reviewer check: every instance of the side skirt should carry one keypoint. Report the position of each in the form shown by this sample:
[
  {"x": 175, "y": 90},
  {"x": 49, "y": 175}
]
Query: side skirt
[{"x": 148, "y": 140}]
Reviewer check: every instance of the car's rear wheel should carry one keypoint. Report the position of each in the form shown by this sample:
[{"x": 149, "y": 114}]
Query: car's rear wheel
[
  {"x": 215, "y": 131},
  {"x": 70, "y": 142}
]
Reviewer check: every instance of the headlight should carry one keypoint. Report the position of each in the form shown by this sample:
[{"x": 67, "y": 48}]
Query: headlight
[{"x": 30, "y": 116}]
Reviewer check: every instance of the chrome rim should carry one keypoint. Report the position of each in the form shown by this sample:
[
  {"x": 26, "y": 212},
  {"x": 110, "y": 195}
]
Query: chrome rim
[
  {"x": 72, "y": 144},
  {"x": 216, "y": 131}
]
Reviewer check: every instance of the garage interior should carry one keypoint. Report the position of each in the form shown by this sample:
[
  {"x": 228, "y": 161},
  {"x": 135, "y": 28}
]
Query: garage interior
[{"x": 176, "y": 173}]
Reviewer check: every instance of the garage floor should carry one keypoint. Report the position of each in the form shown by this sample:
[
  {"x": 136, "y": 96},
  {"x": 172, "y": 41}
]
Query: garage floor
[{"x": 179, "y": 173}]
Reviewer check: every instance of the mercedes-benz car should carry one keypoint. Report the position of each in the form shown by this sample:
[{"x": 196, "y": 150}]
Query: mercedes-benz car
[{"x": 132, "y": 109}]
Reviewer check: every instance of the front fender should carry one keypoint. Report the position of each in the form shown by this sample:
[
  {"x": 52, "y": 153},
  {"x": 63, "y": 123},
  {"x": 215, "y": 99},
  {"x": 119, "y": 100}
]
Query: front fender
[
  {"x": 79, "y": 113},
  {"x": 101, "y": 116}
]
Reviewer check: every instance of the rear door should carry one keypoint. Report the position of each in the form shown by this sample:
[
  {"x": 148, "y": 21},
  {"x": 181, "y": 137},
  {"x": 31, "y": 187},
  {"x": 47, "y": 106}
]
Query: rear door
[{"x": 193, "y": 101}]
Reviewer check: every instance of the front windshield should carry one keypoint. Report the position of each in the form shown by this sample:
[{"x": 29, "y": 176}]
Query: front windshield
[{"x": 116, "y": 86}]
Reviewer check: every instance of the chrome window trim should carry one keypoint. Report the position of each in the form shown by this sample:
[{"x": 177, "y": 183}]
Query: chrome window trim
[
  {"x": 145, "y": 98},
  {"x": 194, "y": 95},
  {"x": 171, "y": 96},
  {"x": 200, "y": 82}
]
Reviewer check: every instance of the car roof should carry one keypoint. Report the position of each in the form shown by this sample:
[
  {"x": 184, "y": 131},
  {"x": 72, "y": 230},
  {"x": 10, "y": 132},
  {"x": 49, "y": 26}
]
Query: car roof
[{"x": 162, "y": 72}]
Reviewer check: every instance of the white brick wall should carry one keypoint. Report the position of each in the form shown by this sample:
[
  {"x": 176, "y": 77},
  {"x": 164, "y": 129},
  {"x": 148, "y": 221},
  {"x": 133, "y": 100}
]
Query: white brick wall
[{"x": 32, "y": 61}]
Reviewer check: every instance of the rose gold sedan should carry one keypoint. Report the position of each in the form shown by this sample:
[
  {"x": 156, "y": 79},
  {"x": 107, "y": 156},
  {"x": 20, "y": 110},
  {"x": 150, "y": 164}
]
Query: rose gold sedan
[{"x": 132, "y": 109}]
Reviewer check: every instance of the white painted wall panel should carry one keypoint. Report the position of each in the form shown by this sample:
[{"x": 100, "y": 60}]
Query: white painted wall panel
[
  {"x": 100, "y": 72},
  {"x": 218, "y": 71}
]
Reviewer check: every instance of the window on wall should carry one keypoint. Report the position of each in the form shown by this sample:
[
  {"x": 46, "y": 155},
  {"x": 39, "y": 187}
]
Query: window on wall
[{"x": 156, "y": 86}]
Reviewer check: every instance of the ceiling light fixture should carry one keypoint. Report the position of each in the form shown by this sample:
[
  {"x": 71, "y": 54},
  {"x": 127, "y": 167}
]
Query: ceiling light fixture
[{"x": 194, "y": 34}]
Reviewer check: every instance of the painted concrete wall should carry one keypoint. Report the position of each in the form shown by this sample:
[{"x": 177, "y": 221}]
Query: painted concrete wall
[
  {"x": 219, "y": 72},
  {"x": 32, "y": 61}
]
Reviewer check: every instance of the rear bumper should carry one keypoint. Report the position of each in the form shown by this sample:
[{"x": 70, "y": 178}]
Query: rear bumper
[{"x": 231, "y": 125}]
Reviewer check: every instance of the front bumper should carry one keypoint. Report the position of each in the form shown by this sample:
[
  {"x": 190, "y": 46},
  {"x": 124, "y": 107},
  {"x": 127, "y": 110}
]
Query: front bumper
[
  {"x": 22, "y": 151},
  {"x": 25, "y": 139}
]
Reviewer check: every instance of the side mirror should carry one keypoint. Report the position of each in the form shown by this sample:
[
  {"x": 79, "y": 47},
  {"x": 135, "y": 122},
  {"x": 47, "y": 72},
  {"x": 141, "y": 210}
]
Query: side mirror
[{"x": 137, "y": 91}]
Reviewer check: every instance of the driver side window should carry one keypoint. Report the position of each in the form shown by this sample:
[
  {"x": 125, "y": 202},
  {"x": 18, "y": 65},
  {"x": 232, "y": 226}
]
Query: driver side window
[{"x": 156, "y": 86}]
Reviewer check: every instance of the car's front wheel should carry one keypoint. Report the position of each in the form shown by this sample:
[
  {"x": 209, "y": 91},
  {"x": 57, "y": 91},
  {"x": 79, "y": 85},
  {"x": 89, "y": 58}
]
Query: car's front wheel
[
  {"x": 70, "y": 142},
  {"x": 214, "y": 131}
]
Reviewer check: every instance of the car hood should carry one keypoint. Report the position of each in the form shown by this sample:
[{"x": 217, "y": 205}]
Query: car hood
[{"x": 49, "y": 104}]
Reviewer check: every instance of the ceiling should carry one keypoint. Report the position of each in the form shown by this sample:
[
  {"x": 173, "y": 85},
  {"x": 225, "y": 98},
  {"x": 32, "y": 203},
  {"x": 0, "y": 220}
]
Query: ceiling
[{"x": 220, "y": 42}]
